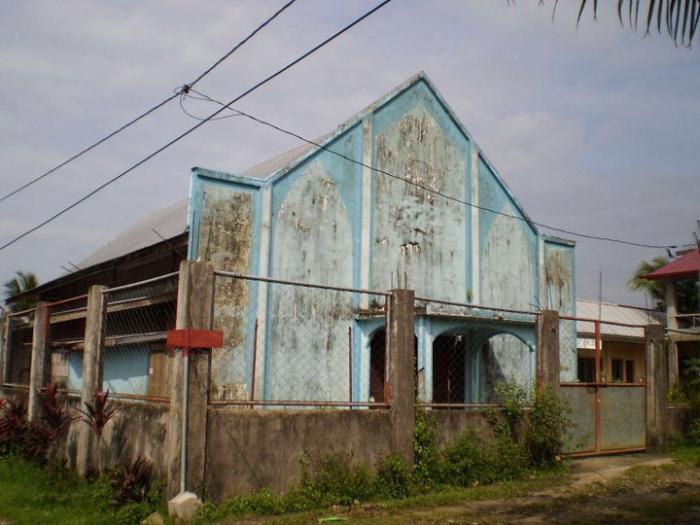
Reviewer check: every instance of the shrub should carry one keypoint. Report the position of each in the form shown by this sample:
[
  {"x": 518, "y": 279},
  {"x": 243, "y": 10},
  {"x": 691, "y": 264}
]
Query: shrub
[
  {"x": 331, "y": 479},
  {"x": 131, "y": 484},
  {"x": 393, "y": 477},
  {"x": 464, "y": 460},
  {"x": 426, "y": 456},
  {"x": 545, "y": 437},
  {"x": 13, "y": 425}
]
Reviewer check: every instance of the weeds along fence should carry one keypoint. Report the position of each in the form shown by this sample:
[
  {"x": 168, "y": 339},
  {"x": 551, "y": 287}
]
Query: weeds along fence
[
  {"x": 291, "y": 344},
  {"x": 464, "y": 350},
  {"x": 17, "y": 362},
  {"x": 136, "y": 318}
]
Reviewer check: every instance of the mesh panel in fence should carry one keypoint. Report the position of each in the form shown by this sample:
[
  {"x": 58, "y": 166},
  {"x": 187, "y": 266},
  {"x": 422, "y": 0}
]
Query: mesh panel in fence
[
  {"x": 464, "y": 351},
  {"x": 137, "y": 318},
  {"x": 19, "y": 348},
  {"x": 65, "y": 337},
  {"x": 292, "y": 344}
]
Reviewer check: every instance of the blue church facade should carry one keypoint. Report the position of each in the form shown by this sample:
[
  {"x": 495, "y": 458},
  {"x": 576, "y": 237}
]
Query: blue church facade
[{"x": 399, "y": 192}]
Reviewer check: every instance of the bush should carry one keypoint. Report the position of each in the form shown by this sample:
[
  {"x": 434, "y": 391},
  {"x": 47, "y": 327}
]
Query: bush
[
  {"x": 13, "y": 426},
  {"x": 545, "y": 437},
  {"x": 393, "y": 478},
  {"x": 426, "y": 456}
]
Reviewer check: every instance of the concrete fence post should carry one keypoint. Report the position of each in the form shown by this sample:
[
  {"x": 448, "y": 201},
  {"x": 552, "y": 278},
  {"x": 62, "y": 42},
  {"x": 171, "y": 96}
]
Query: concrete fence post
[
  {"x": 673, "y": 368},
  {"x": 402, "y": 371},
  {"x": 4, "y": 345},
  {"x": 39, "y": 358},
  {"x": 92, "y": 373},
  {"x": 656, "y": 386},
  {"x": 547, "y": 351},
  {"x": 195, "y": 305}
]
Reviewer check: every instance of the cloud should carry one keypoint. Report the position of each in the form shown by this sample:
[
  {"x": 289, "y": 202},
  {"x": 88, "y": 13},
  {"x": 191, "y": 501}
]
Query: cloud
[{"x": 594, "y": 129}]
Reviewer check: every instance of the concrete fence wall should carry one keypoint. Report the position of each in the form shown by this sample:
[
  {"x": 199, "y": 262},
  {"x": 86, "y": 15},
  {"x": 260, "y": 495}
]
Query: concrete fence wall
[{"x": 217, "y": 451}]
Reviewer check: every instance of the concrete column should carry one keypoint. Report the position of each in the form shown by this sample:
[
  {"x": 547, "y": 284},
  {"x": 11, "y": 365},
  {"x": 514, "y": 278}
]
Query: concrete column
[
  {"x": 671, "y": 305},
  {"x": 39, "y": 359},
  {"x": 656, "y": 386},
  {"x": 547, "y": 351},
  {"x": 92, "y": 373},
  {"x": 190, "y": 376},
  {"x": 673, "y": 366},
  {"x": 402, "y": 367},
  {"x": 4, "y": 344}
]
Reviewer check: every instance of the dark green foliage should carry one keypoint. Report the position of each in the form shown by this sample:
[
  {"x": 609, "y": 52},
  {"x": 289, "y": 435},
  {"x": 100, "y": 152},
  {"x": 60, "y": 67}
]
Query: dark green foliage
[
  {"x": 546, "y": 430},
  {"x": 333, "y": 477},
  {"x": 425, "y": 451},
  {"x": 393, "y": 478},
  {"x": 22, "y": 282}
]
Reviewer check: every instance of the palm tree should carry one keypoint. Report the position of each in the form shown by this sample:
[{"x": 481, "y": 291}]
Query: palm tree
[
  {"x": 22, "y": 282},
  {"x": 655, "y": 289},
  {"x": 679, "y": 18}
]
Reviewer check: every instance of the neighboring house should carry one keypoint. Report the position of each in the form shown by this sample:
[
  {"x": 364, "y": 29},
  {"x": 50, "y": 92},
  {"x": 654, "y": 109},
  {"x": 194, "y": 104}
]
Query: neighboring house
[
  {"x": 623, "y": 354},
  {"x": 683, "y": 328},
  {"x": 314, "y": 216}
]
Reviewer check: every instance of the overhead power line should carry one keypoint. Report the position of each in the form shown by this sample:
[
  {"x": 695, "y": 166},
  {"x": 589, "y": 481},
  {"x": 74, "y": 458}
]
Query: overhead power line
[
  {"x": 199, "y": 124},
  {"x": 148, "y": 111},
  {"x": 237, "y": 112}
]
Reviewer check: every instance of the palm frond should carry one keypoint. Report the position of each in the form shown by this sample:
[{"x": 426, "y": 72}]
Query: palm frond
[{"x": 678, "y": 18}]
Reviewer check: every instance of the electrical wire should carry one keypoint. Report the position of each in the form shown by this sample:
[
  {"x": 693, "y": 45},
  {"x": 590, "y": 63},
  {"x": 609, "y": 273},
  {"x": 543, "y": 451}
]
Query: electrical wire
[
  {"x": 148, "y": 111},
  {"x": 198, "y": 125},
  {"x": 238, "y": 112}
]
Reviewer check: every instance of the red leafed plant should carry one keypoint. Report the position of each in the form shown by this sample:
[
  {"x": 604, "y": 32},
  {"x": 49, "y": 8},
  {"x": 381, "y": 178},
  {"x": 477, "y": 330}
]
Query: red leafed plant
[
  {"x": 54, "y": 413},
  {"x": 97, "y": 415},
  {"x": 13, "y": 424},
  {"x": 132, "y": 483}
]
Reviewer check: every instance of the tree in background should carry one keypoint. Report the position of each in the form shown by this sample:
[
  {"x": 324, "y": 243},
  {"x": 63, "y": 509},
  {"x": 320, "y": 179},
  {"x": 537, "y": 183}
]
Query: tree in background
[
  {"x": 655, "y": 290},
  {"x": 22, "y": 282},
  {"x": 678, "y": 18},
  {"x": 686, "y": 290}
]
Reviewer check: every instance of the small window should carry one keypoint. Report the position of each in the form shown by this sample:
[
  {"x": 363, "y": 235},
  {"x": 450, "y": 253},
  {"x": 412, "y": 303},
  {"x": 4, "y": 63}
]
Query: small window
[
  {"x": 618, "y": 370},
  {"x": 586, "y": 369},
  {"x": 629, "y": 371}
]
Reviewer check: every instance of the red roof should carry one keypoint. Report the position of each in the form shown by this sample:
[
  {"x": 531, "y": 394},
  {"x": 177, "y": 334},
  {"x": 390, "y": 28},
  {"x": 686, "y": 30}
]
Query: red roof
[{"x": 685, "y": 267}]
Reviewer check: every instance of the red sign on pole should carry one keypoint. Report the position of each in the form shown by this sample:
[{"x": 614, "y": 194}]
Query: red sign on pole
[{"x": 189, "y": 339}]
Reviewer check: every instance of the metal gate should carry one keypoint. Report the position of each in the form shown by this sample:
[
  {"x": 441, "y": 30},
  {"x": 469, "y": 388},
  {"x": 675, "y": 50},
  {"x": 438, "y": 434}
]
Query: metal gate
[{"x": 607, "y": 417}]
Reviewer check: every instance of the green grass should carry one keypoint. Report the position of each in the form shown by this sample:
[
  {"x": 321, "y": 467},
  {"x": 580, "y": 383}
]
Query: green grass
[
  {"x": 30, "y": 494},
  {"x": 265, "y": 504}
]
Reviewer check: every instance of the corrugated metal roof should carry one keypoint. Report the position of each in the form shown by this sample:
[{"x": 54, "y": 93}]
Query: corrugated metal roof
[
  {"x": 686, "y": 266},
  {"x": 168, "y": 222},
  {"x": 614, "y": 313}
]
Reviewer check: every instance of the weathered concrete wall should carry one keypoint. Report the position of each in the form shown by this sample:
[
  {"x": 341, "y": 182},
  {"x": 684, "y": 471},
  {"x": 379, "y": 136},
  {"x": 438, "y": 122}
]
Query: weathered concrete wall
[
  {"x": 451, "y": 424},
  {"x": 559, "y": 293},
  {"x": 677, "y": 420},
  {"x": 250, "y": 450},
  {"x": 137, "y": 429},
  {"x": 415, "y": 232},
  {"x": 225, "y": 238},
  {"x": 312, "y": 240}
]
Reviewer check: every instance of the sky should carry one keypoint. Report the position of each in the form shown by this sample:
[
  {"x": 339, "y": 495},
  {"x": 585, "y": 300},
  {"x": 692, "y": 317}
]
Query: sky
[{"x": 593, "y": 128}]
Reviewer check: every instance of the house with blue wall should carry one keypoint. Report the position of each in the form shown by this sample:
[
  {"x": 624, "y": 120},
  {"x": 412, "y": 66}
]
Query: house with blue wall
[{"x": 399, "y": 194}]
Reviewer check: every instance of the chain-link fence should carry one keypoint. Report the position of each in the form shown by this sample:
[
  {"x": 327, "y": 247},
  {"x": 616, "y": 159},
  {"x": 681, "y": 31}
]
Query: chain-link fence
[
  {"x": 463, "y": 351},
  {"x": 65, "y": 338},
  {"x": 136, "y": 320},
  {"x": 295, "y": 344},
  {"x": 20, "y": 327}
]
